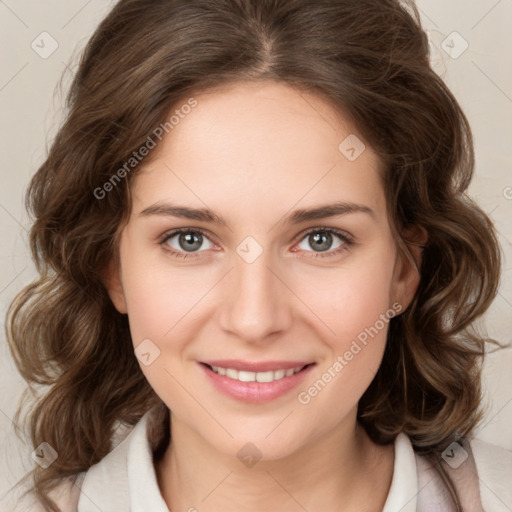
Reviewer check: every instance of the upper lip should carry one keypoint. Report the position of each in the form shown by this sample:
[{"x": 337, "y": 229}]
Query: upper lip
[{"x": 263, "y": 366}]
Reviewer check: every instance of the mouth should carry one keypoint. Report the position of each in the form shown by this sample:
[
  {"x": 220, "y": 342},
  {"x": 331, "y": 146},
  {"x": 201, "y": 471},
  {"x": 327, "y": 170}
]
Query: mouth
[{"x": 256, "y": 386}]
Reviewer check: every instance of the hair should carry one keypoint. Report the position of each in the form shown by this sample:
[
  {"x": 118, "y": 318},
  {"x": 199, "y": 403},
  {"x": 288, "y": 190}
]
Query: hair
[{"x": 370, "y": 60}]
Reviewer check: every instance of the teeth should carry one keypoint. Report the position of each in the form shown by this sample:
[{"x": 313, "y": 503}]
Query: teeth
[
  {"x": 268, "y": 376},
  {"x": 247, "y": 376},
  {"x": 279, "y": 374},
  {"x": 232, "y": 374},
  {"x": 244, "y": 376}
]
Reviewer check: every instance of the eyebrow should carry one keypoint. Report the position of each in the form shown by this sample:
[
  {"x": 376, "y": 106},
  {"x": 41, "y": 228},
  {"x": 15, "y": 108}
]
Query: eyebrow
[{"x": 296, "y": 217}]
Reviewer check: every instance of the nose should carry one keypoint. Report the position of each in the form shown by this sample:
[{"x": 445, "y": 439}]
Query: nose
[{"x": 256, "y": 301}]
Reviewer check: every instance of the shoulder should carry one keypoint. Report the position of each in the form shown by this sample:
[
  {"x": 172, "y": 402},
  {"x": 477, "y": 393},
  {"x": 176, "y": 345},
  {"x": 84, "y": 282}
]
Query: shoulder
[
  {"x": 112, "y": 481},
  {"x": 494, "y": 468},
  {"x": 480, "y": 471}
]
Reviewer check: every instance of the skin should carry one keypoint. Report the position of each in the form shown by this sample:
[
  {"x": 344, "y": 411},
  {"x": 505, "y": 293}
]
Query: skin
[{"x": 253, "y": 153}]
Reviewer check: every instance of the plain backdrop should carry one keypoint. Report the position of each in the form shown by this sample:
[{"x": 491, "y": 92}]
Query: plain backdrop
[{"x": 471, "y": 46}]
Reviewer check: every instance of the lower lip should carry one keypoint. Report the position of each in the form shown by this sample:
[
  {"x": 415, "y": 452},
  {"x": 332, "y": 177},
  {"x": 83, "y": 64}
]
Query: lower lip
[{"x": 255, "y": 392}]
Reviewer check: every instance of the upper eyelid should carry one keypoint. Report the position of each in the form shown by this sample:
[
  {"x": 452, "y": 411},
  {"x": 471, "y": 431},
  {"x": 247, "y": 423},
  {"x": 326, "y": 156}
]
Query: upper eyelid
[{"x": 173, "y": 232}]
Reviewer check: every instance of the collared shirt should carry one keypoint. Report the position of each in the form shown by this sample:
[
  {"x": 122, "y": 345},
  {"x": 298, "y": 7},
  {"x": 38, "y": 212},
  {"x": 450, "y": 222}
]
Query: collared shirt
[{"x": 125, "y": 480}]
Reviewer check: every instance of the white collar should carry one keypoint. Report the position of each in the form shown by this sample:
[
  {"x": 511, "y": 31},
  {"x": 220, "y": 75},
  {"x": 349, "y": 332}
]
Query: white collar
[
  {"x": 125, "y": 480},
  {"x": 403, "y": 492}
]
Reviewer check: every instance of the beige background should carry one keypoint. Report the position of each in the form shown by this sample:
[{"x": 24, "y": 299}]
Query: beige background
[{"x": 480, "y": 76}]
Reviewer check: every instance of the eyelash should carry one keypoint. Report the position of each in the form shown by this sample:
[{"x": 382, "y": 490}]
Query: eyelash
[{"x": 348, "y": 240}]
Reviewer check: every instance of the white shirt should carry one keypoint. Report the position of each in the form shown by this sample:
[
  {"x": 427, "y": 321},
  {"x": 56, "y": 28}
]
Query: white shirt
[{"x": 125, "y": 480}]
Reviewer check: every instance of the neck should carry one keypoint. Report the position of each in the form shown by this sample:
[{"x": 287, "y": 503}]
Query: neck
[{"x": 342, "y": 470}]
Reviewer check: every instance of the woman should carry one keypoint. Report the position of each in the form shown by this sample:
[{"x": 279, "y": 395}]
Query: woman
[{"x": 256, "y": 250}]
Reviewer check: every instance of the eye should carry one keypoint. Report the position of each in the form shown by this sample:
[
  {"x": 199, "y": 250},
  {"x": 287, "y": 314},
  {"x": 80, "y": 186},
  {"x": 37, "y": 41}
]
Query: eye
[
  {"x": 185, "y": 242},
  {"x": 321, "y": 240}
]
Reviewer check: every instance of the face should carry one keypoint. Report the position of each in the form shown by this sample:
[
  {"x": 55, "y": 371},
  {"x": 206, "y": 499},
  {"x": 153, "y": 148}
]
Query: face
[{"x": 285, "y": 258}]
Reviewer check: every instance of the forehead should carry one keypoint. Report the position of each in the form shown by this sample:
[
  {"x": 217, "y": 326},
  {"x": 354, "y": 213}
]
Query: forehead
[{"x": 260, "y": 145}]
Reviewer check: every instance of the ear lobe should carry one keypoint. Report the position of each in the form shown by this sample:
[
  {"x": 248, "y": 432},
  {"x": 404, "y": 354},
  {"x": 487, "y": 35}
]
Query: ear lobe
[
  {"x": 407, "y": 270},
  {"x": 113, "y": 284}
]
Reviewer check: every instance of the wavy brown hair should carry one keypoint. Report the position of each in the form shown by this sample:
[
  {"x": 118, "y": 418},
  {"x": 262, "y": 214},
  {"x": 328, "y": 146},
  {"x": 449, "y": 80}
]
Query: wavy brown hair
[{"x": 370, "y": 60}]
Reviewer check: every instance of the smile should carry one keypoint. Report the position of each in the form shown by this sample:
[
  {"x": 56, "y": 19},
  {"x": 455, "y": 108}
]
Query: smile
[{"x": 255, "y": 387}]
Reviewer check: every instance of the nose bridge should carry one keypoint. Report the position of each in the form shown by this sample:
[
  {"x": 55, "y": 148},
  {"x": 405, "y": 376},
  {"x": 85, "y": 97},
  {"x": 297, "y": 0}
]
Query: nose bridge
[{"x": 255, "y": 304}]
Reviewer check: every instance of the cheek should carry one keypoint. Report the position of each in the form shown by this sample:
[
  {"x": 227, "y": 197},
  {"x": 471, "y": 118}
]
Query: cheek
[
  {"x": 360, "y": 323},
  {"x": 160, "y": 306},
  {"x": 351, "y": 298},
  {"x": 354, "y": 304},
  {"x": 159, "y": 298}
]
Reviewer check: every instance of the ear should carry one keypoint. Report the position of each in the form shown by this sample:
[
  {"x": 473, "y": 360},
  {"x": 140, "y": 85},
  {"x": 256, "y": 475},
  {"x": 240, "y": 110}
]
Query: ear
[
  {"x": 407, "y": 272},
  {"x": 114, "y": 286}
]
